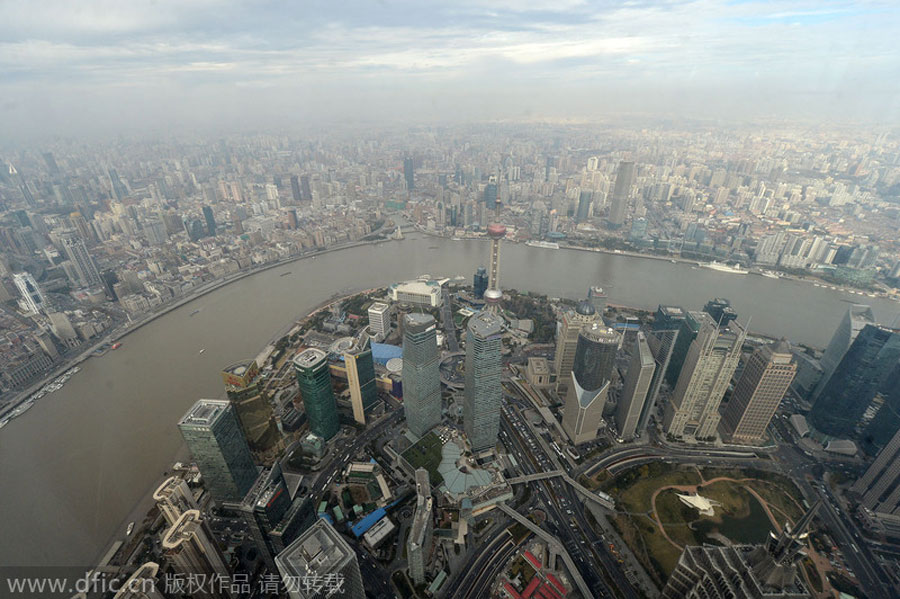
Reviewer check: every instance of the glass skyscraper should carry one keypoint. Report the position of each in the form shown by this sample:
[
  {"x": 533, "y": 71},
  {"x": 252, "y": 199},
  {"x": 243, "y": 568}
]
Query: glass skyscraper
[
  {"x": 484, "y": 393},
  {"x": 861, "y": 373},
  {"x": 314, "y": 379},
  {"x": 421, "y": 374},
  {"x": 244, "y": 388},
  {"x": 213, "y": 436},
  {"x": 361, "y": 378}
]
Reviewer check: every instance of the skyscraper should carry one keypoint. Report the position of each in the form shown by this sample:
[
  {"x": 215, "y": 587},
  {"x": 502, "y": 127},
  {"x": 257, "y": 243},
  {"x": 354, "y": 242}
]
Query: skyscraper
[
  {"x": 879, "y": 487},
  {"x": 483, "y": 392},
  {"x": 661, "y": 343},
  {"x": 189, "y": 546},
  {"x": 761, "y": 387},
  {"x": 361, "y": 378},
  {"x": 856, "y": 317},
  {"x": 295, "y": 189},
  {"x": 567, "y": 329},
  {"x": 210, "y": 221},
  {"x": 687, "y": 332},
  {"x": 409, "y": 173},
  {"x": 173, "y": 498},
  {"x": 32, "y": 297},
  {"x": 421, "y": 374},
  {"x": 721, "y": 311},
  {"x": 693, "y": 411},
  {"x": 214, "y": 438},
  {"x": 635, "y": 392},
  {"x": 320, "y": 564},
  {"x": 584, "y": 206},
  {"x": 77, "y": 253},
  {"x": 588, "y": 389},
  {"x": 621, "y": 193},
  {"x": 245, "y": 390},
  {"x": 490, "y": 194},
  {"x": 263, "y": 508},
  {"x": 380, "y": 320},
  {"x": 418, "y": 545},
  {"x": 314, "y": 379},
  {"x": 861, "y": 373},
  {"x": 767, "y": 571},
  {"x": 480, "y": 282}
]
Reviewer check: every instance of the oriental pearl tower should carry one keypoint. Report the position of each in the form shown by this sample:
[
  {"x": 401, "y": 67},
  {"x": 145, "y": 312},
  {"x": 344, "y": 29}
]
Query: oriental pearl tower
[{"x": 492, "y": 295}]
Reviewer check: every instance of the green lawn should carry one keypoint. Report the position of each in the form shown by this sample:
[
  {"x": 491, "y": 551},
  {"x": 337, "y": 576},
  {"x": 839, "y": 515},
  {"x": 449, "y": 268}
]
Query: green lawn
[{"x": 426, "y": 453}]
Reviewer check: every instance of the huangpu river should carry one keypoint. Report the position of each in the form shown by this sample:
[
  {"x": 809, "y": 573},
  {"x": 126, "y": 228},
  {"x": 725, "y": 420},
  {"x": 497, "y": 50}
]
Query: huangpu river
[{"x": 75, "y": 465}]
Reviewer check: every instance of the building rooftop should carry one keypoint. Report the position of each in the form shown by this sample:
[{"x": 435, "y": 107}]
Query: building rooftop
[
  {"x": 379, "y": 307},
  {"x": 320, "y": 550},
  {"x": 486, "y": 324},
  {"x": 204, "y": 412},
  {"x": 419, "y": 322},
  {"x": 585, "y": 308},
  {"x": 310, "y": 358},
  {"x": 183, "y": 530},
  {"x": 600, "y": 334}
]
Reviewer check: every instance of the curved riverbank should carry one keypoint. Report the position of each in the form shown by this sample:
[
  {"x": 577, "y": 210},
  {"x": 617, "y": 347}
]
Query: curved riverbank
[
  {"x": 145, "y": 319},
  {"x": 83, "y": 457}
]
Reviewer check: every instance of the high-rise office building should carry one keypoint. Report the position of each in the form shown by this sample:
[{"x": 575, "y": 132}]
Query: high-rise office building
[
  {"x": 483, "y": 393},
  {"x": 635, "y": 392},
  {"x": 480, "y": 282},
  {"x": 263, "y": 508},
  {"x": 621, "y": 193},
  {"x": 588, "y": 389},
  {"x": 661, "y": 344},
  {"x": 661, "y": 339},
  {"x": 693, "y": 411},
  {"x": 142, "y": 584},
  {"x": 409, "y": 173},
  {"x": 320, "y": 564},
  {"x": 83, "y": 264},
  {"x": 583, "y": 212},
  {"x": 567, "y": 329},
  {"x": 214, "y": 437},
  {"x": 210, "y": 221},
  {"x": 767, "y": 571},
  {"x": 687, "y": 332},
  {"x": 858, "y": 377},
  {"x": 721, "y": 311},
  {"x": 761, "y": 387},
  {"x": 314, "y": 379},
  {"x": 380, "y": 320},
  {"x": 295, "y": 189},
  {"x": 245, "y": 390},
  {"x": 32, "y": 297},
  {"x": 854, "y": 320},
  {"x": 306, "y": 188},
  {"x": 190, "y": 547},
  {"x": 173, "y": 498},
  {"x": 421, "y": 374},
  {"x": 418, "y": 545},
  {"x": 490, "y": 194},
  {"x": 361, "y": 377},
  {"x": 879, "y": 487}
]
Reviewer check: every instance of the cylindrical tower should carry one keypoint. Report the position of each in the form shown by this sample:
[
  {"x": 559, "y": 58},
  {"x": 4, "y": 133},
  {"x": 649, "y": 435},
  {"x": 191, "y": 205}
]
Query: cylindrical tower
[{"x": 492, "y": 296}]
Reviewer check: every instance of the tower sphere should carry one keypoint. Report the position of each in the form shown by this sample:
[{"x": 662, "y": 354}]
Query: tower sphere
[{"x": 496, "y": 231}]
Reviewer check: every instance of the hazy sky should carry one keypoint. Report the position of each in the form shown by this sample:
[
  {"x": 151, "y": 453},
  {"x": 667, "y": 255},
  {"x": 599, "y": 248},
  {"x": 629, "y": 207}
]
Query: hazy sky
[{"x": 76, "y": 66}]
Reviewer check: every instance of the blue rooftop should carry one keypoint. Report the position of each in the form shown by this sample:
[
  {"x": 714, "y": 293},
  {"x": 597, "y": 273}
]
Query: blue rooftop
[
  {"x": 382, "y": 352},
  {"x": 360, "y": 528}
]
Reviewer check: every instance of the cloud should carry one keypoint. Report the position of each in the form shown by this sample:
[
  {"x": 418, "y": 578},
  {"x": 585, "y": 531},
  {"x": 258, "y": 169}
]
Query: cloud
[{"x": 477, "y": 47}]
